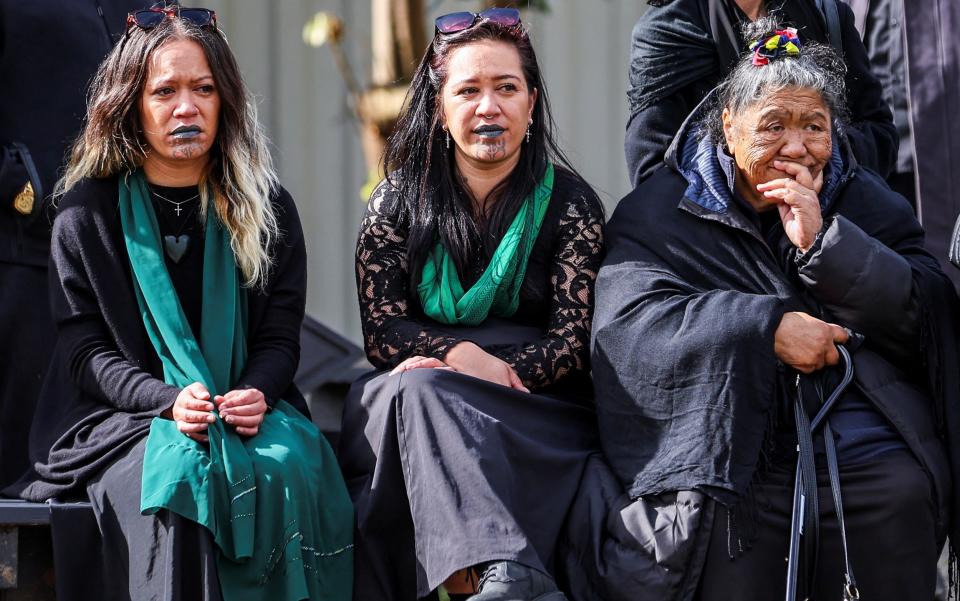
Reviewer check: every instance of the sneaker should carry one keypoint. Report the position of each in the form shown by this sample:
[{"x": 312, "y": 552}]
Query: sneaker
[{"x": 511, "y": 581}]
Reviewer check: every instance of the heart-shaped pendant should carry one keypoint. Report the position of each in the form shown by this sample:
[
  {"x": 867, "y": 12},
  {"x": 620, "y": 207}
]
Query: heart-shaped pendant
[{"x": 176, "y": 246}]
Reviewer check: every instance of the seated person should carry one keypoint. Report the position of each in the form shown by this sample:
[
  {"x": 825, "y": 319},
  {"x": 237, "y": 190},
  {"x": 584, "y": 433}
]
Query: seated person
[
  {"x": 170, "y": 404},
  {"x": 731, "y": 279},
  {"x": 681, "y": 49},
  {"x": 475, "y": 269}
]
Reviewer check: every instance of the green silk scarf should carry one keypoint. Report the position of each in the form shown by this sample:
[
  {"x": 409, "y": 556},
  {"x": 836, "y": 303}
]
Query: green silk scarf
[
  {"x": 275, "y": 503},
  {"x": 497, "y": 291}
]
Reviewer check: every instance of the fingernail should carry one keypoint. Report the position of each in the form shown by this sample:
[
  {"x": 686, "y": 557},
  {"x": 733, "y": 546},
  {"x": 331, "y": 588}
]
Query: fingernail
[{"x": 228, "y": 419}]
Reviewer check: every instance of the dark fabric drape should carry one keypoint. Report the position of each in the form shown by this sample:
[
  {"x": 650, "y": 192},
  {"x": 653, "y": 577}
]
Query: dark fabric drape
[{"x": 933, "y": 75}]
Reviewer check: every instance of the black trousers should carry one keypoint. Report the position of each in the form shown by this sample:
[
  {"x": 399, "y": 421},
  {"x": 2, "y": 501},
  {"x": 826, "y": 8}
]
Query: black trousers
[{"x": 889, "y": 509}]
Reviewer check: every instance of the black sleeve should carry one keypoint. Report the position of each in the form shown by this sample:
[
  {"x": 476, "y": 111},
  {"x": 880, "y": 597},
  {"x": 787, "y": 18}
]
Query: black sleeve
[
  {"x": 390, "y": 332},
  {"x": 578, "y": 251},
  {"x": 95, "y": 362},
  {"x": 866, "y": 286},
  {"x": 273, "y": 350},
  {"x": 873, "y": 134},
  {"x": 650, "y": 131}
]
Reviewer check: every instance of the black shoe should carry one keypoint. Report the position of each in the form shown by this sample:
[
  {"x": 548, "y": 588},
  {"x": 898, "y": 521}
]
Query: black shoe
[{"x": 511, "y": 581}]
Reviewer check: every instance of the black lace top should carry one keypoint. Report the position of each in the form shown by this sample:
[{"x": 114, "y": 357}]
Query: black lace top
[{"x": 556, "y": 294}]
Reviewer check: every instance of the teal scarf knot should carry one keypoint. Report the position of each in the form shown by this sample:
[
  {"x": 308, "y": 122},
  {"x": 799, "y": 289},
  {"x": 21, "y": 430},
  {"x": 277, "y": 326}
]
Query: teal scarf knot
[
  {"x": 497, "y": 292},
  {"x": 275, "y": 503}
]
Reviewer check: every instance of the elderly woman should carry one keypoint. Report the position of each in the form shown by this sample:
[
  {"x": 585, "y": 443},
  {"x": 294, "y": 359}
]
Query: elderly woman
[
  {"x": 681, "y": 49},
  {"x": 731, "y": 278},
  {"x": 475, "y": 268},
  {"x": 170, "y": 401}
]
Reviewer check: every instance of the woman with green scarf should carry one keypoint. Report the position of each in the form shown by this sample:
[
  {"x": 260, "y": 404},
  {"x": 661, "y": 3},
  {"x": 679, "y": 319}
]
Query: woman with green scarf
[
  {"x": 170, "y": 403},
  {"x": 475, "y": 267}
]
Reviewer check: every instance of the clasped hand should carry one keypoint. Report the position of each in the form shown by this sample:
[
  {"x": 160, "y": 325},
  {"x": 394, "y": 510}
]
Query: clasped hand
[
  {"x": 243, "y": 409},
  {"x": 797, "y": 201},
  {"x": 468, "y": 358}
]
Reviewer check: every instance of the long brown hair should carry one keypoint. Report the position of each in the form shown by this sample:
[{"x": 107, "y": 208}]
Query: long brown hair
[{"x": 240, "y": 178}]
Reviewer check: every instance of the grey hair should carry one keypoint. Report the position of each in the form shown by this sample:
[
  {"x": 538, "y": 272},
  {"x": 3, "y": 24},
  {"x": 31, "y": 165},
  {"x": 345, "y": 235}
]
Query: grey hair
[{"x": 818, "y": 67}]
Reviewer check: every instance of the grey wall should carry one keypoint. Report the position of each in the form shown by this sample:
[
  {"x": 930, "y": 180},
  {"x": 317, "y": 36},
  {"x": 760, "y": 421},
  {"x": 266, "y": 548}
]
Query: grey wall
[{"x": 582, "y": 45}]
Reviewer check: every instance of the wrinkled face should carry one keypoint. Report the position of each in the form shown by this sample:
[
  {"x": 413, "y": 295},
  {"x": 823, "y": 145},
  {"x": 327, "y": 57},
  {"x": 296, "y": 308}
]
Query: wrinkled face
[
  {"x": 485, "y": 102},
  {"x": 790, "y": 125},
  {"x": 179, "y": 106}
]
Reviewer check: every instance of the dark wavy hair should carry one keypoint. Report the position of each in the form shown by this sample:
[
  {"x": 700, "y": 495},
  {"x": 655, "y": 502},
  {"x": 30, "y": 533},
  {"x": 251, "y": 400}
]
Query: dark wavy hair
[{"x": 433, "y": 204}]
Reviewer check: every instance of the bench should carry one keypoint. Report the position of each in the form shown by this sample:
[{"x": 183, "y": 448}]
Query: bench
[{"x": 26, "y": 553}]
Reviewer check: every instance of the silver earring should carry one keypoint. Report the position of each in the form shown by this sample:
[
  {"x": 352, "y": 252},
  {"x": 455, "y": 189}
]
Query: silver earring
[
  {"x": 448, "y": 139},
  {"x": 528, "y": 130}
]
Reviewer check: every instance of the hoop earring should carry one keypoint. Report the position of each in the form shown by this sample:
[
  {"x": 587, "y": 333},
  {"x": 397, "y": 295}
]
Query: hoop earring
[{"x": 529, "y": 124}]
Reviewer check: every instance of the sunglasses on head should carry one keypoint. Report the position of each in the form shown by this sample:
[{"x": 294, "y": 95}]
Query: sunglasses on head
[
  {"x": 151, "y": 17},
  {"x": 457, "y": 22}
]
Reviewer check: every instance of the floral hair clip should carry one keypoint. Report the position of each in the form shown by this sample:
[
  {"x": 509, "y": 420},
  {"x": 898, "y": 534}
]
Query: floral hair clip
[{"x": 783, "y": 42}]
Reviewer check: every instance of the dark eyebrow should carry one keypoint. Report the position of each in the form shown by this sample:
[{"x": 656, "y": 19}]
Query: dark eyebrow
[
  {"x": 495, "y": 78},
  {"x": 168, "y": 80}
]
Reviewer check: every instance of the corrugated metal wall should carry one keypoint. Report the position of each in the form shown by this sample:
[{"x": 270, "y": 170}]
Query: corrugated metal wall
[{"x": 583, "y": 47}]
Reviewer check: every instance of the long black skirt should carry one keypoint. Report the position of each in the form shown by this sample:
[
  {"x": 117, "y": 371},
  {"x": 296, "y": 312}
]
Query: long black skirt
[
  {"x": 447, "y": 471},
  {"x": 160, "y": 557}
]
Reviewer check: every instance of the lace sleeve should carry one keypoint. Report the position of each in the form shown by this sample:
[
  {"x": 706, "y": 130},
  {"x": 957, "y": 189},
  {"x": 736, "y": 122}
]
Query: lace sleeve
[
  {"x": 390, "y": 334},
  {"x": 565, "y": 346}
]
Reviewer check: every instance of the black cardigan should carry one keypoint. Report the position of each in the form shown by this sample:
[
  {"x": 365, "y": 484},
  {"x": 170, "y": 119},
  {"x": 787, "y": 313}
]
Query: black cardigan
[{"x": 104, "y": 385}]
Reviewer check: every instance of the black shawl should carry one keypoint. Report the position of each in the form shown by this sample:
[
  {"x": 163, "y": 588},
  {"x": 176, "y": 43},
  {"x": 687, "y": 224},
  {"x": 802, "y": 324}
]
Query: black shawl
[{"x": 105, "y": 382}]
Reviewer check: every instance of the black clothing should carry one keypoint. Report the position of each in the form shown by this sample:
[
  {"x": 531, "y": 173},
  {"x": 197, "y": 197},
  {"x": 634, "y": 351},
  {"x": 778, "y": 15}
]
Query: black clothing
[
  {"x": 187, "y": 273},
  {"x": 49, "y": 50},
  {"x": 676, "y": 59},
  {"x": 105, "y": 380},
  {"x": 445, "y": 470},
  {"x": 136, "y": 549},
  {"x": 555, "y": 294},
  {"x": 892, "y": 494}
]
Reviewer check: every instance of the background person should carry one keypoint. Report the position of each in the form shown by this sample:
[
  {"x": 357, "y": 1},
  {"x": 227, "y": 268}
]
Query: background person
[
  {"x": 48, "y": 53},
  {"x": 170, "y": 404},
  {"x": 475, "y": 268}
]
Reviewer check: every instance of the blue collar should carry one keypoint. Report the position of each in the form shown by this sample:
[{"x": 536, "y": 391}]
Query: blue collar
[{"x": 711, "y": 174}]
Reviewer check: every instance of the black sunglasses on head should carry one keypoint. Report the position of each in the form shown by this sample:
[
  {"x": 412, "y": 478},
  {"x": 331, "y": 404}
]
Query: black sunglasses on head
[
  {"x": 461, "y": 21},
  {"x": 151, "y": 17}
]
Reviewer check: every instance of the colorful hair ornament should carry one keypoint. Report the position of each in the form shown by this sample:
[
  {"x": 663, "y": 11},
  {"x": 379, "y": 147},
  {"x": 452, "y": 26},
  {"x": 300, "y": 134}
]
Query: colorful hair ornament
[{"x": 784, "y": 42}]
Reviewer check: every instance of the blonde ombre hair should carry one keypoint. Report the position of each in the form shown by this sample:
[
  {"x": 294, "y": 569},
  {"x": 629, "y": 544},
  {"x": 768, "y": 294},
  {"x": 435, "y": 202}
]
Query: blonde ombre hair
[{"x": 240, "y": 179}]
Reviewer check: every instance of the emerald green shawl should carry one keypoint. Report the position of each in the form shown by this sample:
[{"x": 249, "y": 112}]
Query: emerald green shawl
[
  {"x": 275, "y": 503},
  {"x": 497, "y": 291}
]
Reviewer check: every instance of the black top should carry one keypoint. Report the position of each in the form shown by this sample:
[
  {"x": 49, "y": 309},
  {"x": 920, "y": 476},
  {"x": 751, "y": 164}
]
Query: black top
[
  {"x": 185, "y": 227},
  {"x": 105, "y": 385},
  {"x": 556, "y": 295},
  {"x": 677, "y": 56}
]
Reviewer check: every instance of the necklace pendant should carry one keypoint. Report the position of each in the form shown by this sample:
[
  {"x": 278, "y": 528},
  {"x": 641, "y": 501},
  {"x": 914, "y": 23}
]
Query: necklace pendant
[
  {"x": 177, "y": 209},
  {"x": 176, "y": 246}
]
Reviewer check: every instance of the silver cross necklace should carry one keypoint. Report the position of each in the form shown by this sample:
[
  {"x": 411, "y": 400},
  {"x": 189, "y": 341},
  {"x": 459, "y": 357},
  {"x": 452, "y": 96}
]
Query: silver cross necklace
[{"x": 176, "y": 205}]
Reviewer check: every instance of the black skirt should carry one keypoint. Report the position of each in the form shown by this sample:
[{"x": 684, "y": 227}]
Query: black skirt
[{"x": 447, "y": 471}]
